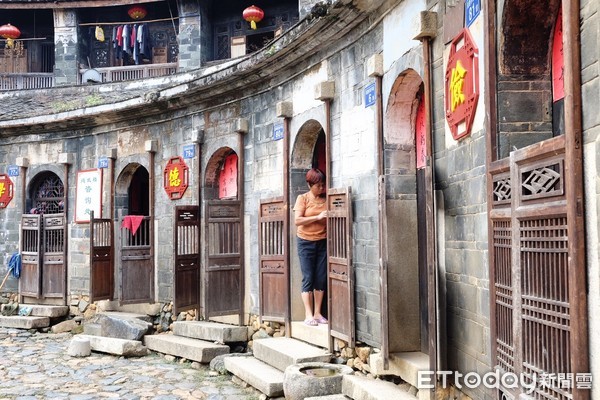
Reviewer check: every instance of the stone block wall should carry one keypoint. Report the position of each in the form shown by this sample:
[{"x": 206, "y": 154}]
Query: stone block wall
[{"x": 527, "y": 108}]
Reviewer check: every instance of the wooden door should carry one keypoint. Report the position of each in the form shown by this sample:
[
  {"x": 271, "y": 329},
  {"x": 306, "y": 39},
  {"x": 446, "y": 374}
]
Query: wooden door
[
  {"x": 186, "y": 242},
  {"x": 274, "y": 268},
  {"x": 340, "y": 274},
  {"x": 137, "y": 264},
  {"x": 223, "y": 283},
  {"x": 102, "y": 281},
  {"x": 54, "y": 272},
  {"x": 534, "y": 292},
  {"x": 30, "y": 283}
]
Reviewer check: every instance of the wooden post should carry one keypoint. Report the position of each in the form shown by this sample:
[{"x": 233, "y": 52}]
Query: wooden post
[
  {"x": 575, "y": 203},
  {"x": 286, "y": 219},
  {"x": 240, "y": 178}
]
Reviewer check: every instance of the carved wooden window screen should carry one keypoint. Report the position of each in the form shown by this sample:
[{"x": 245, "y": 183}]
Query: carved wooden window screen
[{"x": 48, "y": 195}]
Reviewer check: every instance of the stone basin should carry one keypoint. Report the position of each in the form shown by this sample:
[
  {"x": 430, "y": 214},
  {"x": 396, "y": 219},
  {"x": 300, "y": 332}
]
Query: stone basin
[{"x": 313, "y": 379}]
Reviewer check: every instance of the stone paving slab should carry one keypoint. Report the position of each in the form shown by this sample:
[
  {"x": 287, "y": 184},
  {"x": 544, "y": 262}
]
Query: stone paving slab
[
  {"x": 282, "y": 352},
  {"x": 363, "y": 388},
  {"x": 35, "y": 365},
  {"x": 257, "y": 374},
  {"x": 19, "y": 322},
  {"x": 119, "y": 347},
  {"x": 40, "y": 310},
  {"x": 330, "y": 397},
  {"x": 188, "y": 348},
  {"x": 211, "y": 331}
]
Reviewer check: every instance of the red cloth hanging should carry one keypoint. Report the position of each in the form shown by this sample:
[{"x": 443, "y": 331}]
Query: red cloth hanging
[{"x": 132, "y": 222}]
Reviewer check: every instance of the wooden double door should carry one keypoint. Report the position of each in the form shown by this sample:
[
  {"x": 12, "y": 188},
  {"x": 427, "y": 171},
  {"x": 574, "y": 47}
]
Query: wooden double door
[
  {"x": 43, "y": 263},
  {"x": 273, "y": 237}
]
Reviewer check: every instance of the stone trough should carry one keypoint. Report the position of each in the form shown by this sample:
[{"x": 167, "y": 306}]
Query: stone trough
[{"x": 313, "y": 379}]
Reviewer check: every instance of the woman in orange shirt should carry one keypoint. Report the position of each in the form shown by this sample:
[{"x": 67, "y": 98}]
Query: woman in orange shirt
[{"x": 310, "y": 216}]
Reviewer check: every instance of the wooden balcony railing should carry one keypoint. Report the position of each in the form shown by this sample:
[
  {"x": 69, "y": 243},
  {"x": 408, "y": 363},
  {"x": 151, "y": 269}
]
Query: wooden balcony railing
[
  {"x": 133, "y": 72},
  {"x": 26, "y": 81}
]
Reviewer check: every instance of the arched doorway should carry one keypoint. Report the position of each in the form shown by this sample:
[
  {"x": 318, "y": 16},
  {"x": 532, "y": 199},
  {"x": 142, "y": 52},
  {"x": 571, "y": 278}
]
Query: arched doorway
[
  {"x": 308, "y": 151},
  {"x": 136, "y": 235},
  {"x": 223, "y": 268},
  {"x": 536, "y": 244},
  {"x": 405, "y": 203},
  {"x": 43, "y": 248}
]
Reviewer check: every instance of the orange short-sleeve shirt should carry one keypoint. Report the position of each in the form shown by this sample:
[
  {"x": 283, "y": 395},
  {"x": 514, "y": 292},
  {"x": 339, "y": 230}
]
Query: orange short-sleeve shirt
[{"x": 309, "y": 207}]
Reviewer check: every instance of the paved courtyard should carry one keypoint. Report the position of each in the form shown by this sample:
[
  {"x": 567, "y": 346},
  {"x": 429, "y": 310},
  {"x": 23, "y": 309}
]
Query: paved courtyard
[{"x": 37, "y": 366}]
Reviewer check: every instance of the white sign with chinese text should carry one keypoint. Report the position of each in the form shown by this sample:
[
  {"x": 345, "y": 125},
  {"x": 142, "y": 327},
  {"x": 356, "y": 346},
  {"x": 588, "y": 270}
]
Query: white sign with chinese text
[{"x": 89, "y": 195}]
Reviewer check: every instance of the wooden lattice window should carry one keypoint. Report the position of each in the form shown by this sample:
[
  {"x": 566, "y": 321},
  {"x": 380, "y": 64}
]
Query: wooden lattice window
[
  {"x": 504, "y": 294},
  {"x": 48, "y": 195}
]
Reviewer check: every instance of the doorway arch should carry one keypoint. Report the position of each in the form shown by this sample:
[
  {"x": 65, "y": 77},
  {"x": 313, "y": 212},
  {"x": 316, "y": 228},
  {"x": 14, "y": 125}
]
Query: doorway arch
[
  {"x": 43, "y": 242},
  {"x": 404, "y": 205},
  {"x": 223, "y": 226},
  {"x": 308, "y": 151},
  {"x": 136, "y": 236}
]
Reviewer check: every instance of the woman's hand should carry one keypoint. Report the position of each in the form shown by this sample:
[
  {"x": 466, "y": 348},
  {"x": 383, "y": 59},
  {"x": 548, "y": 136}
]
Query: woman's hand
[{"x": 322, "y": 215}]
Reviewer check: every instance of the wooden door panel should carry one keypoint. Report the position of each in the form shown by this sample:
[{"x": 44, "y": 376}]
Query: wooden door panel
[
  {"x": 339, "y": 265},
  {"x": 223, "y": 272},
  {"x": 101, "y": 259},
  {"x": 530, "y": 265},
  {"x": 31, "y": 236},
  {"x": 274, "y": 267},
  {"x": 137, "y": 265},
  {"x": 187, "y": 258},
  {"x": 53, "y": 267}
]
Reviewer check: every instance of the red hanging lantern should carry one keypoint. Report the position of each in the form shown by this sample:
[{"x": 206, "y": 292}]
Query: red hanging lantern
[
  {"x": 10, "y": 33},
  {"x": 137, "y": 12},
  {"x": 253, "y": 15}
]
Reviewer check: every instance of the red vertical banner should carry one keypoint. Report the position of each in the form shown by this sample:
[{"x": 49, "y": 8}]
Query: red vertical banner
[
  {"x": 420, "y": 135},
  {"x": 558, "y": 60},
  {"x": 228, "y": 177}
]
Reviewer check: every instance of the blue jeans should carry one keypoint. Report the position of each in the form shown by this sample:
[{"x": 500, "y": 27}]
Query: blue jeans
[{"x": 313, "y": 264}]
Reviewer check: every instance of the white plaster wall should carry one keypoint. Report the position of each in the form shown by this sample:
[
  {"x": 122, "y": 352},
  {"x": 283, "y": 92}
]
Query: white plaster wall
[
  {"x": 357, "y": 141},
  {"x": 593, "y": 267},
  {"x": 303, "y": 96},
  {"x": 397, "y": 39}
]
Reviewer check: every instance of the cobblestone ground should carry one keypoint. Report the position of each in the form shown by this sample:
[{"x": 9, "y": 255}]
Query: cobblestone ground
[{"x": 37, "y": 366}]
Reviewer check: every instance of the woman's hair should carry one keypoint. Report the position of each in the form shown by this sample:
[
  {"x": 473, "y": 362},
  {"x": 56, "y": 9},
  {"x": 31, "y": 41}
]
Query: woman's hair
[{"x": 314, "y": 176}]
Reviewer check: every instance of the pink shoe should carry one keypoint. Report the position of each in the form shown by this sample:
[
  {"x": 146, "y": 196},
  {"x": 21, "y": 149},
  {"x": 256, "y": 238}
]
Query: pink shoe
[
  {"x": 321, "y": 320},
  {"x": 310, "y": 322}
]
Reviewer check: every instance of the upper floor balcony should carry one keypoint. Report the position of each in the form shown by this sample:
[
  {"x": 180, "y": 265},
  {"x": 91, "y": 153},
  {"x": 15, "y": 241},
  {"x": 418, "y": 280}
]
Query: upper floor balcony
[{"x": 81, "y": 42}]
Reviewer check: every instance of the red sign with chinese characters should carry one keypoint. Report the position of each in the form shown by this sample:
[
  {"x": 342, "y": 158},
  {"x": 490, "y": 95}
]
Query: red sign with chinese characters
[
  {"x": 558, "y": 60},
  {"x": 6, "y": 190},
  {"x": 176, "y": 178},
  {"x": 228, "y": 177},
  {"x": 420, "y": 135},
  {"x": 462, "y": 84}
]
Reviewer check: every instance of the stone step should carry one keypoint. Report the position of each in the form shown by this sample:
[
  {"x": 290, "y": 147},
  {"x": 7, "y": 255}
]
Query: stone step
[
  {"x": 180, "y": 346},
  {"x": 211, "y": 331},
  {"x": 15, "y": 321},
  {"x": 257, "y": 374},
  {"x": 119, "y": 347},
  {"x": 316, "y": 335},
  {"x": 128, "y": 315},
  {"x": 282, "y": 352},
  {"x": 40, "y": 310},
  {"x": 405, "y": 365},
  {"x": 362, "y": 388},
  {"x": 329, "y": 397}
]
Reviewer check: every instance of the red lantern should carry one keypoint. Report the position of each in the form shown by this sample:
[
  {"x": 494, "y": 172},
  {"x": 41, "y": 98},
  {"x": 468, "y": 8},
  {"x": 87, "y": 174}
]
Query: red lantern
[
  {"x": 137, "y": 12},
  {"x": 253, "y": 15},
  {"x": 10, "y": 33}
]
